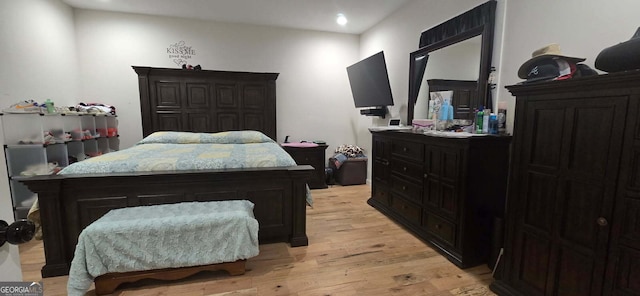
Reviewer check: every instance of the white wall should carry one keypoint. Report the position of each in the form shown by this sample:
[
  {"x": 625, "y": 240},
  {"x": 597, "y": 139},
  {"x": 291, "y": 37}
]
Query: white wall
[
  {"x": 582, "y": 28},
  {"x": 314, "y": 98},
  {"x": 38, "y": 61}
]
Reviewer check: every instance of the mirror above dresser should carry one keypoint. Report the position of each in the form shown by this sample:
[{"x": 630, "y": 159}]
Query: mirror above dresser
[{"x": 454, "y": 56}]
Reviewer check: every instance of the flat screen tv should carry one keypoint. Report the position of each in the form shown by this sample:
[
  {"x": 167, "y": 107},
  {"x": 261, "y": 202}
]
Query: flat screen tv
[{"x": 370, "y": 82}]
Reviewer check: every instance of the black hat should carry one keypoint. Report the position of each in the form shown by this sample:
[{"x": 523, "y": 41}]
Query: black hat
[
  {"x": 551, "y": 51},
  {"x": 620, "y": 57},
  {"x": 543, "y": 70}
]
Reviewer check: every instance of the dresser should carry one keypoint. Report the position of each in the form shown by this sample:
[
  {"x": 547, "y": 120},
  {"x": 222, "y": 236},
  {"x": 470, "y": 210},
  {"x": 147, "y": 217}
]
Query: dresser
[
  {"x": 573, "y": 208},
  {"x": 447, "y": 191},
  {"x": 313, "y": 156}
]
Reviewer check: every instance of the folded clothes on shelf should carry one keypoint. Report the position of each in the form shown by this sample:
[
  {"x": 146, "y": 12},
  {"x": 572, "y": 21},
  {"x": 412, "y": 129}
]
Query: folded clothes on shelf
[{"x": 41, "y": 169}]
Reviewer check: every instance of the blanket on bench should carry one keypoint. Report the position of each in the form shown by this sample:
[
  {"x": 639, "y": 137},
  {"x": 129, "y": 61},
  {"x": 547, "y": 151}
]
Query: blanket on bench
[{"x": 163, "y": 236}]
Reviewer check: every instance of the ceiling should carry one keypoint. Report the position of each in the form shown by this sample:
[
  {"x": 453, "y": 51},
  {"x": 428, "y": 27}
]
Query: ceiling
[{"x": 300, "y": 14}]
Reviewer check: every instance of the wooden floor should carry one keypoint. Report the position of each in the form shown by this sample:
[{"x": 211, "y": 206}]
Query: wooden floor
[{"x": 353, "y": 250}]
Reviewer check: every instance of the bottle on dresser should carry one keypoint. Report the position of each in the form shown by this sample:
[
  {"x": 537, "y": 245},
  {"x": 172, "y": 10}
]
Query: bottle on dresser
[
  {"x": 485, "y": 121},
  {"x": 479, "y": 119}
]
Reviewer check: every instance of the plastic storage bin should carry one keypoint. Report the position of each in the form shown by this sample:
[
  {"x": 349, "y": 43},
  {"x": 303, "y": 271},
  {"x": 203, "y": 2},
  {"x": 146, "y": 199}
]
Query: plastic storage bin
[{"x": 20, "y": 129}]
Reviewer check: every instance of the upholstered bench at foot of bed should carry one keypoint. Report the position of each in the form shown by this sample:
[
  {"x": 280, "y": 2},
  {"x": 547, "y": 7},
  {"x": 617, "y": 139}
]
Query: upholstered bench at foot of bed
[{"x": 165, "y": 242}]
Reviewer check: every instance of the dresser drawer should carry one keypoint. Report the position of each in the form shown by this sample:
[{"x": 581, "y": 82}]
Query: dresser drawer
[
  {"x": 310, "y": 157},
  {"x": 380, "y": 171},
  {"x": 408, "y": 150},
  {"x": 407, "y": 210},
  {"x": 407, "y": 189},
  {"x": 440, "y": 228},
  {"x": 414, "y": 170},
  {"x": 380, "y": 193}
]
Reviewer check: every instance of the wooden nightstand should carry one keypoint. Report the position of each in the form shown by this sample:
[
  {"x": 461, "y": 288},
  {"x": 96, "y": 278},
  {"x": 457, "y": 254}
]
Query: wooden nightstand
[{"x": 313, "y": 156}]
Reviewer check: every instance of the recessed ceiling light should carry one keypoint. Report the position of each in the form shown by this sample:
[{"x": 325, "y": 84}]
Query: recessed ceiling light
[{"x": 341, "y": 19}]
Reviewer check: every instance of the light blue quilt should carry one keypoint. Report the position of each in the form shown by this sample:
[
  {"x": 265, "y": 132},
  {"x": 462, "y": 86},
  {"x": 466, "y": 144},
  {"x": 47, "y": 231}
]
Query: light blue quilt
[
  {"x": 166, "y": 151},
  {"x": 163, "y": 236}
]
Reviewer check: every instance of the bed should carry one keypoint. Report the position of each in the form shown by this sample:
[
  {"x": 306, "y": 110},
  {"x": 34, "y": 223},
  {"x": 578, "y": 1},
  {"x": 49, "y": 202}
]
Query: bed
[{"x": 69, "y": 203}]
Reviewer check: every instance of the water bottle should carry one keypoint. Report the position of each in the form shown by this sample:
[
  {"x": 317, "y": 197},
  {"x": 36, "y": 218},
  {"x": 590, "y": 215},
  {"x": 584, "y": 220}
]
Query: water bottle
[{"x": 493, "y": 124}]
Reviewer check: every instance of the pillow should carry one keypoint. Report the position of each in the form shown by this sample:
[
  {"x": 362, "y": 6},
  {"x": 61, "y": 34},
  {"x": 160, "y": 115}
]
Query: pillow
[{"x": 230, "y": 137}]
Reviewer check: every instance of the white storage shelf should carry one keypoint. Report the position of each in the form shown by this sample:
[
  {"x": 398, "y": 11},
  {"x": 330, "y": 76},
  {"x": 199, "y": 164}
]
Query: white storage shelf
[
  {"x": 22, "y": 128},
  {"x": 36, "y": 143}
]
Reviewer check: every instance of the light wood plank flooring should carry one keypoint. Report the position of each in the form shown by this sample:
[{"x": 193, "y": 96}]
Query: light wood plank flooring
[{"x": 353, "y": 250}]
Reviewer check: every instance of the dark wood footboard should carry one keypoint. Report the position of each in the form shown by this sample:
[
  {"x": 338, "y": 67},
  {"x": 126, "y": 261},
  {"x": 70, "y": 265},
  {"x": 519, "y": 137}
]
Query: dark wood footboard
[{"x": 69, "y": 203}]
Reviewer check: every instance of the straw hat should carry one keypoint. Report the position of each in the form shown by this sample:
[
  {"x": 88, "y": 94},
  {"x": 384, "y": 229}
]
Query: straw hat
[{"x": 551, "y": 51}]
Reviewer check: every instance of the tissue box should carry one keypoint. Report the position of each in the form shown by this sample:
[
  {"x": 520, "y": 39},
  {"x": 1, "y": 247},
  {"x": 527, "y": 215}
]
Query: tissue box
[{"x": 423, "y": 123}]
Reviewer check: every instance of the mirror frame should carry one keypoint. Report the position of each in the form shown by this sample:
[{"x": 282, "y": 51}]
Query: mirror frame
[{"x": 479, "y": 21}]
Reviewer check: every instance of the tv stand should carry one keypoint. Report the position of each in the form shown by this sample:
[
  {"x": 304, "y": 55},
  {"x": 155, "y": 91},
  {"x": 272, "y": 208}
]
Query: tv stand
[{"x": 377, "y": 111}]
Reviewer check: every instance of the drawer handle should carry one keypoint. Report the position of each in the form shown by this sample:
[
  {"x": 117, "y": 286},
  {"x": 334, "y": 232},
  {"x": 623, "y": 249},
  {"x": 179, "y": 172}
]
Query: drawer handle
[
  {"x": 404, "y": 149},
  {"x": 602, "y": 221},
  {"x": 426, "y": 176},
  {"x": 404, "y": 169},
  {"x": 404, "y": 187},
  {"x": 438, "y": 226},
  {"x": 385, "y": 162}
]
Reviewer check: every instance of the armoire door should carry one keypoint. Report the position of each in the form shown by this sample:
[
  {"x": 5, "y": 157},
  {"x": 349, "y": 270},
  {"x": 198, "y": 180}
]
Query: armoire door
[
  {"x": 442, "y": 170},
  {"x": 562, "y": 199}
]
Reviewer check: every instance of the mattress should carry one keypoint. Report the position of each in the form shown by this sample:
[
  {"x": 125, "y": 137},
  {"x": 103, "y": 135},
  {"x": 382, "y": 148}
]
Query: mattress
[{"x": 168, "y": 151}]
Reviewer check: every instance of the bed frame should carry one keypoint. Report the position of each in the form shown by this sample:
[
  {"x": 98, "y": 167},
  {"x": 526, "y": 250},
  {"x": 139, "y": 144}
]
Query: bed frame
[{"x": 69, "y": 203}]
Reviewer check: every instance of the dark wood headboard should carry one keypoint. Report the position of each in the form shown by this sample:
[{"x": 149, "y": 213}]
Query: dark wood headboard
[{"x": 206, "y": 101}]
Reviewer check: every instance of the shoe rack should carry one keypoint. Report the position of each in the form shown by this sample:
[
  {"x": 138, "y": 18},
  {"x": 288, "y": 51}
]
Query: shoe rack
[{"x": 41, "y": 144}]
